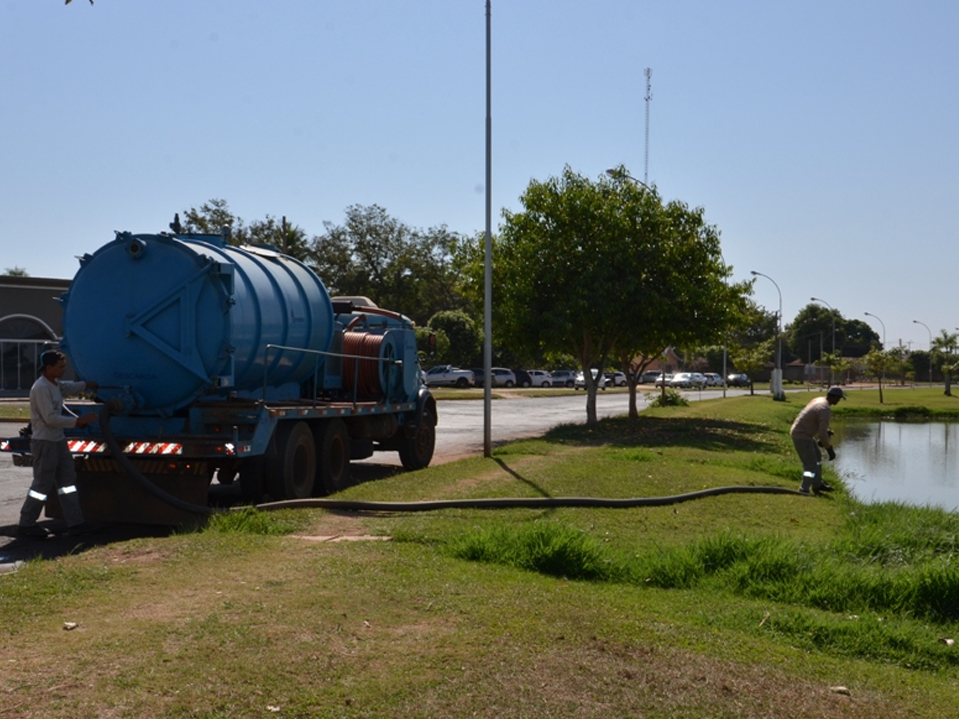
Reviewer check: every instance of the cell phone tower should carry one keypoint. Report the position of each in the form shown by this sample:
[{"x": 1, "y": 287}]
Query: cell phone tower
[{"x": 649, "y": 97}]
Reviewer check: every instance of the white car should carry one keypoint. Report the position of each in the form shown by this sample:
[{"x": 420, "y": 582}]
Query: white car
[
  {"x": 616, "y": 379},
  {"x": 562, "y": 378},
  {"x": 448, "y": 376},
  {"x": 539, "y": 378},
  {"x": 598, "y": 378},
  {"x": 713, "y": 379},
  {"x": 688, "y": 380}
]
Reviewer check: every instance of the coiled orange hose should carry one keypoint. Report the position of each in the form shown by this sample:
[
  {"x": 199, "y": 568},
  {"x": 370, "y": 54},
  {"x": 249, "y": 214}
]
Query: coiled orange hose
[{"x": 365, "y": 371}]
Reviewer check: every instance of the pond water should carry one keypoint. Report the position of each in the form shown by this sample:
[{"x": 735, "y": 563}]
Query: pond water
[{"x": 910, "y": 462}]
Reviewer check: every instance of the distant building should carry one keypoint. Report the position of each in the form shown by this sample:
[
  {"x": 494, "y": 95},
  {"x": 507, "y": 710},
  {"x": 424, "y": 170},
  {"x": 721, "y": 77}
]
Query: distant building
[{"x": 31, "y": 320}]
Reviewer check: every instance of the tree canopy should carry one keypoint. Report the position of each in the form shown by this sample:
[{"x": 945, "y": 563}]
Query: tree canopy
[
  {"x": 214, "y": 216},
  {"x": 596, "y": 269},
  {"x": 375, "y": 255},
  {"x": 812, "y": 329},
  {"x": 371, "y": 254}
]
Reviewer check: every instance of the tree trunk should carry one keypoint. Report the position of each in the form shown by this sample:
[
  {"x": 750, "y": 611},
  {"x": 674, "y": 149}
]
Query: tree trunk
[{"x": 590, "y": 398}]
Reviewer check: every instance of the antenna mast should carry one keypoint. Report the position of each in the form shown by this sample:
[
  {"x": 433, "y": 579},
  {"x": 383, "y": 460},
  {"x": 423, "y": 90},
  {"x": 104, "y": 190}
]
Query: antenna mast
[{"x": 649, "y": 97}]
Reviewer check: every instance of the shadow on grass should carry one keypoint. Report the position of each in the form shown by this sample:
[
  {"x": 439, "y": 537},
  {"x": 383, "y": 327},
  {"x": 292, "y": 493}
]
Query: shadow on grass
[{"x": 694, "y": 432}]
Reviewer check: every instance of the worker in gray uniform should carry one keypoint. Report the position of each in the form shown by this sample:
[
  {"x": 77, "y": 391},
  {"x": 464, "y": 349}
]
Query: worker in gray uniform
[
  {"x": 52, "y": 460},
  {"x": 809, "y": 432}
]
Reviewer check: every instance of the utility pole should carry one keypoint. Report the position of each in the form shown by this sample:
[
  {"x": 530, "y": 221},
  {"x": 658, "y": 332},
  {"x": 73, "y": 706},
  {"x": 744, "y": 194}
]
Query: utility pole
[{"x": 649, "y": 97}]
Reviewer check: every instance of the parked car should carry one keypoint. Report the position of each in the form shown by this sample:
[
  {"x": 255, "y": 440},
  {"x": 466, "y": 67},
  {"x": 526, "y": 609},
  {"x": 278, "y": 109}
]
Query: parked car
[
  {"x": 523, "y": 378},
  {"x": 664, "y": 379},
  {"x": 650, "y": 377},
  {"x": 713, "y": 379},
  {"x": 738, "y": 380},
  {"x": 563, "y": 378},
  {"x": 688, "y": 380},
  {"x": 448, "y": 376},
  {"x": 539, "y": 378},
  {"x": 616, "y": 379},
  {"x": 502, "y": 377},
  {"x": 598, "y": 377}
]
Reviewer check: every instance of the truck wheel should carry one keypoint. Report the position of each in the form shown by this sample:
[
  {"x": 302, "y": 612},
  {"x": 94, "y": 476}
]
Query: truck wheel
[
  {"x": 416, "y": 452},
  {"x": 462, "y": 382},
  {"x": 333, "y": 439},
  {"x": 291, "y": 469}
]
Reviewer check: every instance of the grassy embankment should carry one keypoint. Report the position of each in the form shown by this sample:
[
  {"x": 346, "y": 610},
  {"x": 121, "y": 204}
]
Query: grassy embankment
[{"x": 735, "y": 606}]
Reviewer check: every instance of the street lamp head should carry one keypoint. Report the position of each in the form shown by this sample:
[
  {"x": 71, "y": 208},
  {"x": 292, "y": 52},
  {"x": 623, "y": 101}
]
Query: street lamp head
[{"x": 753, "y": 273}]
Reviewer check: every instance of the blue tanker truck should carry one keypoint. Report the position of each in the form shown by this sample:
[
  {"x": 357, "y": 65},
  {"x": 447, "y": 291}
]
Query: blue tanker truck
[{"x": 217, "y": 361}]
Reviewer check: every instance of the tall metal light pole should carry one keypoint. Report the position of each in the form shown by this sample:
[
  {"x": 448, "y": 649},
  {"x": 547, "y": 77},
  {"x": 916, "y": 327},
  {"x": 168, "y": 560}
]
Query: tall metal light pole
[
  {"x": 833, "y": 312},
  {"x": 488, "y": 281},
  {"x": 777, "y": 391},
  {"x": 917, "y": 322},
  {"x": 870, "y": 314}
]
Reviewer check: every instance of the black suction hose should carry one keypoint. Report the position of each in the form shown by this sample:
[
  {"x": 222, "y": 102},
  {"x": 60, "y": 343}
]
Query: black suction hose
[
  {"x": 513, "y": 502},
  {"x": 131, "y": 469}
]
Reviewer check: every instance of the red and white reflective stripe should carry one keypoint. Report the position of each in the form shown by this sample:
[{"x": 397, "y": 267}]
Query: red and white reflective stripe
[
  {"x": 81, "y": 446},
  {"x": 85, "y": 446},
  {"x": 5, "y": 445},
  {"x": 153, "y": 448}
]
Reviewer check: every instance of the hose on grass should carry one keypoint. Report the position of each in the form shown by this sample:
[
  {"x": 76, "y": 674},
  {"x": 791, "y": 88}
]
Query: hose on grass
[{"x": 516, "y": 502}]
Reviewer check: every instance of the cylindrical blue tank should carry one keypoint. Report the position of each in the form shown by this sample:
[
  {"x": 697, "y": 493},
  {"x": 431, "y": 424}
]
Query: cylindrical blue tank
[{"x": 175, "y": 318}]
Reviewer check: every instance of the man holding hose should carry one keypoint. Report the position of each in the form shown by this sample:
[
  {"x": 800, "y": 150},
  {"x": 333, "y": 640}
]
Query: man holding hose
[{"x": 811, "y": 431}]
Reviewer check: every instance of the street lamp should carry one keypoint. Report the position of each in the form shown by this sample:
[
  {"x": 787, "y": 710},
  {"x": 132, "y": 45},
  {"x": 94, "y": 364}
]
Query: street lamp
[
  {"x": 870, "y": 314},
  {"x": 777, "y": 389},
  {"x": 917, "y": 322},
  {"x": 833, "y": 312},
  {"x": 614, "y": 173}
]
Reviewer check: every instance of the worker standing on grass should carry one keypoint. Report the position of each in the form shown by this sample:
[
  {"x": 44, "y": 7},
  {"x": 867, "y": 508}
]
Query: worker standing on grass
[
  {"x": 809, "y": 432},
  {"x": 52, "y": 460}
]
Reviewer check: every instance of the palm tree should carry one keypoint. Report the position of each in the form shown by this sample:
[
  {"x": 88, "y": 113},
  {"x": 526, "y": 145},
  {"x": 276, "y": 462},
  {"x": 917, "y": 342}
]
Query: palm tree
[{"x": 944, "y": 348}]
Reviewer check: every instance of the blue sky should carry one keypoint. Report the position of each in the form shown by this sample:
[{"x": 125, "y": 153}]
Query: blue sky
[{"x": 820, "y": 137}]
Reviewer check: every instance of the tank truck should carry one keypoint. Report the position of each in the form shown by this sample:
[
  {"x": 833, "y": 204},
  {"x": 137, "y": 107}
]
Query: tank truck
[{"x": 234, "y": 363}]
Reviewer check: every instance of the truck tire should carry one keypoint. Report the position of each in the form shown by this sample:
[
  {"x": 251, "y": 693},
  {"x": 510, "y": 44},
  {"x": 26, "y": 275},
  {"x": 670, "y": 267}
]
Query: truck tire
[
  {"x": 333, "y": 441},
  {"x": 416, "y": 452},
  {"x": 291, "y": 468},
  {"x": 462, "y": 383}
]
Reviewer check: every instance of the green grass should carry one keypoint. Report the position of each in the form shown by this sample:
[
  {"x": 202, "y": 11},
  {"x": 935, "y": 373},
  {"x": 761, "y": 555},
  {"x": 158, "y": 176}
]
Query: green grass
[{"x": 733, "y": 606}]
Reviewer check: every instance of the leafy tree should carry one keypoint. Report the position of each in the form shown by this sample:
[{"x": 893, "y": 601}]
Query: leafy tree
[
  {"x": 853, "y": 337},
  {"x": 465, "y": 338},
  {"x": 944, "y": 354},
  {"x": 901, "y": 363},
  {"x": 211, "y": 218},
  {"x": 878, "y": 362},
  {"x": 752, "y": 360},
  {"x": 813, "y": 322},
  {"x": 751, "y": 325},
  {"x": 375, "y": 255},
  {"x": 423, "y": 349},
  {"x": 600, "y": 269},
  {"x": 856, "y": 337},
  {"x": 15, "y": 271},
  {"x": 832, "y": 362},
  {"x": 214, "y": 217}
]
